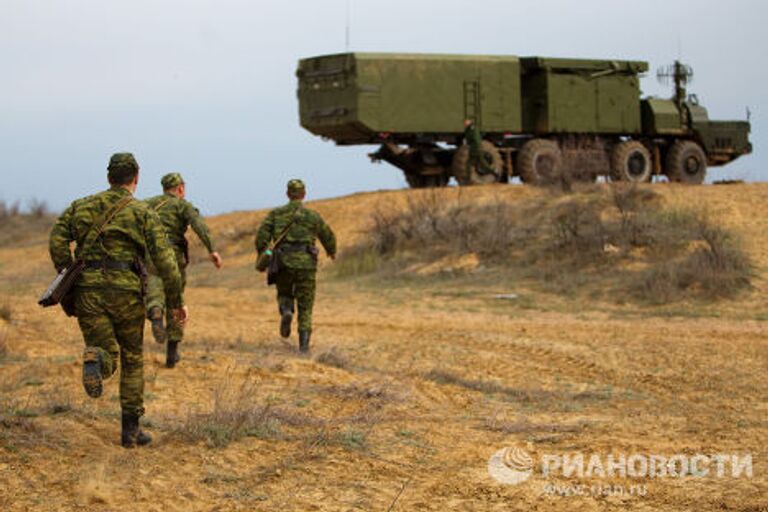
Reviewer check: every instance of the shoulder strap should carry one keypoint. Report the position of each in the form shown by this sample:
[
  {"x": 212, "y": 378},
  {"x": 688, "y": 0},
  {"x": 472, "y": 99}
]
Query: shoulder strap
[
  {"x": 102, "y": 222},
  {"x": 284, "y": 232},
  {"x": 161, "y": 204}
]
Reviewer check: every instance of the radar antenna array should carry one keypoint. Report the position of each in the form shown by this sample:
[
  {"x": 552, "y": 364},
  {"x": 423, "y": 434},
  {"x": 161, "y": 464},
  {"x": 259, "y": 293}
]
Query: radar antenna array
[
  {"x": 681, "y": 74},
  {"x": 678, "y": 73}
]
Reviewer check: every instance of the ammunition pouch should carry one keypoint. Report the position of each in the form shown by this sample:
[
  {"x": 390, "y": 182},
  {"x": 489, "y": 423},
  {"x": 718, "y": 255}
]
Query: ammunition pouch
[{"x": 275, "y": 262}]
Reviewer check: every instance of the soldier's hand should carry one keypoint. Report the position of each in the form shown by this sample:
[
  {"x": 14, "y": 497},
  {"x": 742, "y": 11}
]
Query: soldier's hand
[
  {"x": 216, "y": 259},
  {"x": 181, "y": 315}
]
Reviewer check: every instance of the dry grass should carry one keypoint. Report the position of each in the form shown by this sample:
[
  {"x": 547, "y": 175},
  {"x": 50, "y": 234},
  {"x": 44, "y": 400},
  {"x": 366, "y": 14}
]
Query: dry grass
[
  {"x": 602, "y": 379},
  {"x": 9, "y": 210},
  {"x": 552, "y": 399},
  {"x": 234, "y": 415},
  {"x": 18, "y": 225},
  {"x": 522, "y": 425},
  {"x": 333, "y": 357},
  {"x": 618, "y": 241},
  {"x": 359, "y": 392},
  {"x": 716, "y": 268}
]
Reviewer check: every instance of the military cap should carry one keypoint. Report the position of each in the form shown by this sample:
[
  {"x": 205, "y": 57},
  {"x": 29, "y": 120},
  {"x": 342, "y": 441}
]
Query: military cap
[
  {"x": 122, "y": 165},
  {"x": 170, "y": 180},
  {"x": 295, "y": 187}
]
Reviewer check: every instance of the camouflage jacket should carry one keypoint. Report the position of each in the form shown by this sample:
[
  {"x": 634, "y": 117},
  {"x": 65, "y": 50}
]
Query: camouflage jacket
[
  {"x": 473, "y": 139},
  {"x": 176, "y": 215},
  {"x": 134, "y": 232},
  {"x": 307, "y": 227}
]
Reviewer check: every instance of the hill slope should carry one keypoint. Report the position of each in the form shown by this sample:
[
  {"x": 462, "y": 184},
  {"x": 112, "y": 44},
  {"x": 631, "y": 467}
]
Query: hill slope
[{"x": 412, "y": 385}]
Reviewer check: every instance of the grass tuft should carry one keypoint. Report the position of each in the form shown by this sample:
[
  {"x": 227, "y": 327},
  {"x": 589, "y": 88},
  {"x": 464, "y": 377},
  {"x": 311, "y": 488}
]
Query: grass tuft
[{"x": 333, "y": 357}]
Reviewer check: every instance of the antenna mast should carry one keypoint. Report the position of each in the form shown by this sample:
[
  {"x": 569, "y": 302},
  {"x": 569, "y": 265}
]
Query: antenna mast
[
  {"x": 346, "y": 27},
  {"x": 681, "y": 75}
]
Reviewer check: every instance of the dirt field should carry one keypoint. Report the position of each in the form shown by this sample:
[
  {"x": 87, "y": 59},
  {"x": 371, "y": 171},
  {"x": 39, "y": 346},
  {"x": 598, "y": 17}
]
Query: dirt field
[{"x": 413, "y": 384}]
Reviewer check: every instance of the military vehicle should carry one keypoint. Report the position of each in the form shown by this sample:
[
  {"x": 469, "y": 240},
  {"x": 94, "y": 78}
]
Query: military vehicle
[{"x": 542, "y": 119}]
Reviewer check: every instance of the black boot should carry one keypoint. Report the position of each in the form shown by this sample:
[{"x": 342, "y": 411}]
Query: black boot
[
  {"x": 172, "y": 354},
  {"x": 132, "y": 435},
  {"x": 92, "y": 378},
  {"x": 304, "y": 341},
  {"x": 286, "y": 317},
  {"x": 158, "y": 329}
]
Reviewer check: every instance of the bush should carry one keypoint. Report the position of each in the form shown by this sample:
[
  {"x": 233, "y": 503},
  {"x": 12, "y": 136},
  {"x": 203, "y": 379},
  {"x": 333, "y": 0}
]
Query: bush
[
  {"x": 335, "y": 358},
  {"x": 38, "y": 208},
  {"x": 234, "y": 416},
  {"x": 9, "y": 210},
  {"x": 17, "y": 225},
  {"x": 716, "y": 268},
  {"x": 563, "y": 241}
]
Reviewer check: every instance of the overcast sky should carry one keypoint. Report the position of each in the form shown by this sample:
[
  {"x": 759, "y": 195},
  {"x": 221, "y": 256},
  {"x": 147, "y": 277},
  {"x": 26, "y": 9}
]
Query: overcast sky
[{"x": 208, "y": 88}]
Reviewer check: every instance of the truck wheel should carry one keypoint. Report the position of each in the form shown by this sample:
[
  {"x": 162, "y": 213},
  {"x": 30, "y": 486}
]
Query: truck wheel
[
  {"x": 686, "y": 163},
  {"x": 470, "y": 173},
  {"x": 631, "y": 161},
  {"x": 540, "y": 162},
  {"x": 426, "y": 181}
]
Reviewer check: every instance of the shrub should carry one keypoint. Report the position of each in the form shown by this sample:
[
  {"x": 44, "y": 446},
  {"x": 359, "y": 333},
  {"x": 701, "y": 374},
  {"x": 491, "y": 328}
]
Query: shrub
[
  {"x": 563, "y": 241},
  {"x": 234, "y": 416}
]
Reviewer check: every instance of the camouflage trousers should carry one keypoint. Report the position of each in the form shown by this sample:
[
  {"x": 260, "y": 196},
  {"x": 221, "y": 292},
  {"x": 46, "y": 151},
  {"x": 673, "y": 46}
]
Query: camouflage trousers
[
  {"x": 113, "y": 322},
  {"x": 297, "y": 286},
  {"x": 156, "y": 299},
  {"x": 478, "y": 161}
]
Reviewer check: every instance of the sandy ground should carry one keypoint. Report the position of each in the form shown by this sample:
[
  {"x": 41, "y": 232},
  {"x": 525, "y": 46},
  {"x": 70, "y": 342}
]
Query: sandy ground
[{"x": 411, "y": 387}]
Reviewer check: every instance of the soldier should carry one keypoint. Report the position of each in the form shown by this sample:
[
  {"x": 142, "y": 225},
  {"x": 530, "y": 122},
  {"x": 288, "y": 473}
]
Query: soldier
[
  {"x": 474, "y": 140},
  {"x": 113, "y": 234},
  {"x": 297, "y": 258},
  {"x": 176, "y": 214}
]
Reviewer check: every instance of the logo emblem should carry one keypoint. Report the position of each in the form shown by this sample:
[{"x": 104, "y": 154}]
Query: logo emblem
[{"x": 510, "y": 466}]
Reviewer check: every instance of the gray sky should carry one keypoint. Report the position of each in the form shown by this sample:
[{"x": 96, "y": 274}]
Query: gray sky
[{"x": 207, "y": 87}]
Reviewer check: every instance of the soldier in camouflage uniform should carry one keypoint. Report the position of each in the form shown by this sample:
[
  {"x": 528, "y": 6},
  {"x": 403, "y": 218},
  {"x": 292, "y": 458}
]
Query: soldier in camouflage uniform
[
  {"x": 297, "y": 256},
  {"x": 176, "y": 214},
  {"x": 108, "y": 302},
  {"x": 474, "y": 140}
]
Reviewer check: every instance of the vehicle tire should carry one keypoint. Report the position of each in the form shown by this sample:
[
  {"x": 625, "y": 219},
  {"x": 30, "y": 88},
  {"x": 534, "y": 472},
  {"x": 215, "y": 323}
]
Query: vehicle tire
[
  {"x": 426, "y": 180},
  {"x": 631, "y": 161},
  {"x": 540, "y": 162},
  {"x": 469, "y": 174},
  {"x": 686, "y": 163}
]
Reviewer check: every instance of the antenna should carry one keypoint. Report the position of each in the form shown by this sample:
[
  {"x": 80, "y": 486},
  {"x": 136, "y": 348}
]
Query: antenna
[
  {"x": 680, "y": 74},
  {"x": 346, "y": 27}
]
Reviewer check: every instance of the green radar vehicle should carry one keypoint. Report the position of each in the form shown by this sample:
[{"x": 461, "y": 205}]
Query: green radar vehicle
[{"x": 541, "y": 119}]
